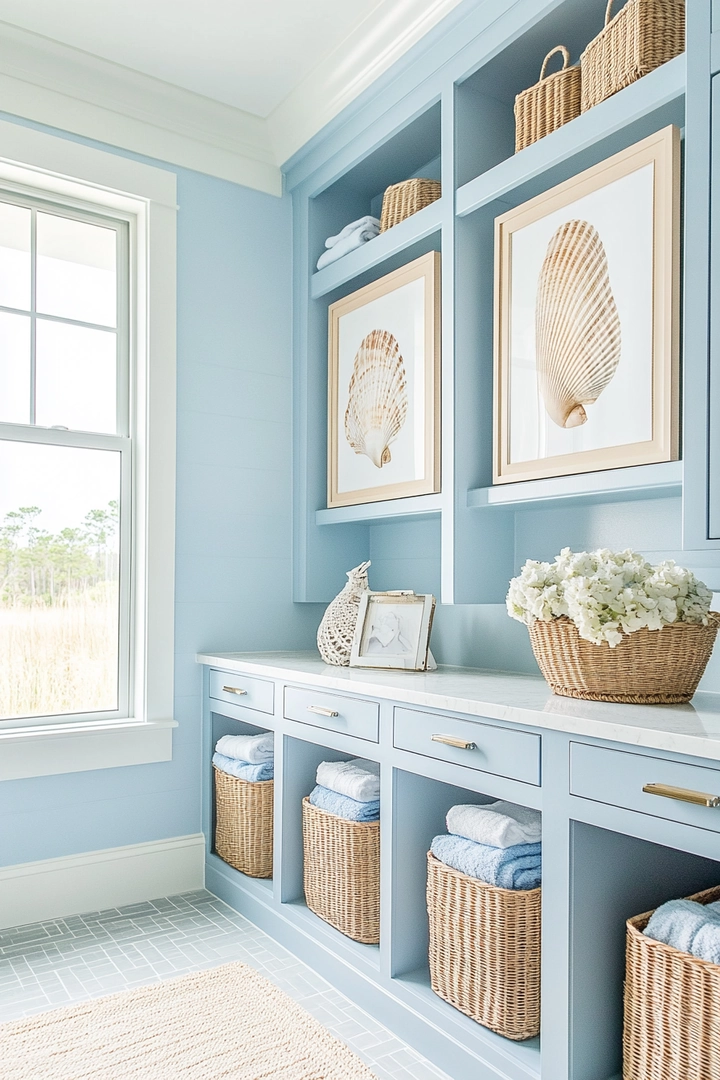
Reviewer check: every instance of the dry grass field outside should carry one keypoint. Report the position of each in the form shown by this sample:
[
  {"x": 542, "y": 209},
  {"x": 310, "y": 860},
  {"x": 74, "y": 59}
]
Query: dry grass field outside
[{"x": 60, "y": 659}]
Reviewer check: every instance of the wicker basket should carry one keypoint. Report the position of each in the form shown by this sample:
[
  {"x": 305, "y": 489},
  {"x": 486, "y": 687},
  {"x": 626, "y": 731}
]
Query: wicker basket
[
  {"x": 342, "y": 872},
  {"x": 641, "y": 37},
  {"x": 672, "y": 1008},
  {"x": 548, "y": 104},
  {"x": 660, "y": 667},
  {"x": 400, "y": 201},
  {"x": 244, "y": 823},
  {"x": 485, "y": 950}
]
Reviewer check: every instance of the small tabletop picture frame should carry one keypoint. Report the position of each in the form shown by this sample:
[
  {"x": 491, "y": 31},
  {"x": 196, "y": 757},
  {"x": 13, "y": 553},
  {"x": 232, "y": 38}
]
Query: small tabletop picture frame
[
  {"x": 393, "y": 631},
  {"x": 384, "y": 387}
]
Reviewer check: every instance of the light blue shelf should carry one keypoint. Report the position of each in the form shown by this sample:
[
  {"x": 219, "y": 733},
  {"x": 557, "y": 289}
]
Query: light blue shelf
[
  {"x": 638, "y": 482},
  {"x": 661, "y": 89},
  {"x": 410, "y": 231},
  {"x": 417, "y": 507}
]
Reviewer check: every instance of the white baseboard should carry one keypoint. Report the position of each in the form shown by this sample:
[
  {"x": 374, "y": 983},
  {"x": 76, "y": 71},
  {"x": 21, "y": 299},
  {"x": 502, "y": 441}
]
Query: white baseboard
[{"x": 54, "y": 888}]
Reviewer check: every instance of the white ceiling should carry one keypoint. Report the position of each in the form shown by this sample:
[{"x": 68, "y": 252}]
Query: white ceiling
[{"x": 245, "y": 53}]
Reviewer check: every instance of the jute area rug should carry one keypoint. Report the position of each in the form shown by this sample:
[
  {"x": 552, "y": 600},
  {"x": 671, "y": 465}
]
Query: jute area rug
[{"x": 226, "y": 1022}]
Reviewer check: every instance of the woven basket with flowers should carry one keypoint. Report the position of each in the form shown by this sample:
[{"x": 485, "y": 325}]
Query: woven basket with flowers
[{"x": 609, "y": 626}]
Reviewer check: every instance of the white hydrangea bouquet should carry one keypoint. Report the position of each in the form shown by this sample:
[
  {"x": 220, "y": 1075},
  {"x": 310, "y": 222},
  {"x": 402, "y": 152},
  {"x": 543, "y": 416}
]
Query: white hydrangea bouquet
[{"x": 615, "y": 600}]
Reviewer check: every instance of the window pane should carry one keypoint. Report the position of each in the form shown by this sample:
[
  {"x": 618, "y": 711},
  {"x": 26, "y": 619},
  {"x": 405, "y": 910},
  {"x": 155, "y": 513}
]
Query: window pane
[
  {"x": 59, "y": 597},
  {"x": 76, "y": 275},
  {"x": 75, "y": 377},
  {"x": 14, "y": 368},
  {"x": 14, "y": 256}
]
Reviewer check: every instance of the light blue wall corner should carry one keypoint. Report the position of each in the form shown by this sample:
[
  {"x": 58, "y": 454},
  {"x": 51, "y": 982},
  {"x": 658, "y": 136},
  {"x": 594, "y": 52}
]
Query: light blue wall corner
[{"x": 233, "y": 540}]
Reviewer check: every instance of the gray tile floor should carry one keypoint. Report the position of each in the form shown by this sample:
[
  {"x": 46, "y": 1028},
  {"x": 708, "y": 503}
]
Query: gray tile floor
[{"x": 49, "y": 964}]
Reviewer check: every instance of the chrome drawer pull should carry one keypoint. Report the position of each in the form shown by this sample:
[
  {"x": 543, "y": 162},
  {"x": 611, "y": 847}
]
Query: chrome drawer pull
[
  {"x": 234, "y": 690},
  {"x": 449, "y": 740},
  {"x": 699, "y": 798},
  {"x": 322, "y": 711}
]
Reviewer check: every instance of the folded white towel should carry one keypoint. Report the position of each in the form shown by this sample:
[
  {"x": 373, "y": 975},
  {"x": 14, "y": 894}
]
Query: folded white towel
[
  {"x": 348, "y": 243},
  {"x": 358, "y": 779},
  {"x": 251, "y": 748},
  {"x": 359, "y": 224},
  {"x": 498, "y": 824}
]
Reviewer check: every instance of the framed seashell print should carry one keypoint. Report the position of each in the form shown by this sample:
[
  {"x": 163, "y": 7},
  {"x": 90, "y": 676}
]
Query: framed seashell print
[
  {"x": 384, "y": 387},
  {"x": 587, "y": 319}
]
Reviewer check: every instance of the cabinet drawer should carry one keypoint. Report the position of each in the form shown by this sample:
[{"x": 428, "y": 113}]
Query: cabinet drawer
[
  {"x": 491, "y": 749},
  {"x": 617, "y": 777},
  {"x": 243, "y": 690},
  {"x": 351, "y": 716}
]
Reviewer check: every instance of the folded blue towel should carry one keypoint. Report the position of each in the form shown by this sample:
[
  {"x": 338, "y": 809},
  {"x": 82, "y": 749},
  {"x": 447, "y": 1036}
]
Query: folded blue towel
[
  {"x": 688, "y": 926},
  {"x": 243, "y": 770},
  {"x": 343, "y": 806},
  {"x": 517, "y": 867}
]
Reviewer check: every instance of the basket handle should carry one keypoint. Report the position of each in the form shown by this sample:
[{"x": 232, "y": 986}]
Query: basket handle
[
  {"x": 557, "y": 49},
  {"x": 608, "y": 11}
]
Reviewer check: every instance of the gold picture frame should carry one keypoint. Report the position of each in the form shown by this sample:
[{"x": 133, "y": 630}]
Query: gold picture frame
[
  {"x": 384, "y": 387},
  {"x": 586, "y": 350}
]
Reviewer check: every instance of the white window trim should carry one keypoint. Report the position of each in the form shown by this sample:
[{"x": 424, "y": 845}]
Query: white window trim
[{"x": 32, "y": 162}]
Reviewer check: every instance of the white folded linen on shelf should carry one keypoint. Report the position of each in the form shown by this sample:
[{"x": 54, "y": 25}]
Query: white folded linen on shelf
[
  {"x": 253, "y": 749},
  {"x": 348, "y": 243},
  {"x": 497, "y": 824},
  {"x": 357, "y": 779},
  {"x": 361, "y": 223}
]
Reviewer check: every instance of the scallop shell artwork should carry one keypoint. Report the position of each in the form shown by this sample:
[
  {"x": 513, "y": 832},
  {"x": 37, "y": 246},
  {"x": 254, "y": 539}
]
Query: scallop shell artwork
[
  {"x": 337, "y": 629},
  {"x": 577, "y": 326},
  {"x": 377, "y": 397}
]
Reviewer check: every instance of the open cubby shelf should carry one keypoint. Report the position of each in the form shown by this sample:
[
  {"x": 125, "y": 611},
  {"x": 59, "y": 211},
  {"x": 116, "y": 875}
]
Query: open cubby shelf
[
  {"x": 456, "y": 124},
  {"x": 394, "y": 241},
  {"x": 641, "y": 108}
]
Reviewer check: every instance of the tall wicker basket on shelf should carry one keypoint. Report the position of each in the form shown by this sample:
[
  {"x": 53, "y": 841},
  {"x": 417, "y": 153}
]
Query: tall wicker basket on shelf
[
  {"x": 342, "y": 872},
  {"x": 549, "y": 104},
  {"x": 643, "y": 35},
  {"x": 402, "y": 200},
  {"x": 659, "y": 667},
  {"x": 485, "y": 950},
  {"x": 672, "y": 1008},
  {"x": 244, "y": 823}
]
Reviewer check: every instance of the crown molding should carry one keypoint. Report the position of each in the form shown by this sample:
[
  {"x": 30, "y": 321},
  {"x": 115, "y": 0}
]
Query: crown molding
[
  {"x": 66, "y": 88},
  {"x": 392, "y": 28},
  {"x": 72, "y": 90}
]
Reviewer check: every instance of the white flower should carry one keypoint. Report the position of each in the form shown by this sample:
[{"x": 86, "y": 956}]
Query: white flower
[{"x": 607, "y": 594}]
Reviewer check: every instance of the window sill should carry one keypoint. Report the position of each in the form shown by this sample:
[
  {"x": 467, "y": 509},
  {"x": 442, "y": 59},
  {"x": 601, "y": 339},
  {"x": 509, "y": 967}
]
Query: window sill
[{"x": 67, "y": 748}]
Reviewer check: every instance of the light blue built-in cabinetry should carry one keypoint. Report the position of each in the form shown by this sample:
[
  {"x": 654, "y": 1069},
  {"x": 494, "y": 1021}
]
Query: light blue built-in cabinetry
[
  {"x": 446, "y": 110},
  {"x": 610, "y": 850}
]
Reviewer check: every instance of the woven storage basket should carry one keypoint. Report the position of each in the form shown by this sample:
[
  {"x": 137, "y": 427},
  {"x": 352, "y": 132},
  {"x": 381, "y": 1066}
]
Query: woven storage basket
[
  {"x": 485, "y": 950},
  {"x": 660, "y": 667},
  {"x": 400, "y": 201},
  {"x": 642, "y": 36},
  {"x": 548, "y": 104},
  {"x": 244, "y": 823},
  {"x": 342, "y": 872},
  {"x": 672, "y": 1008}
]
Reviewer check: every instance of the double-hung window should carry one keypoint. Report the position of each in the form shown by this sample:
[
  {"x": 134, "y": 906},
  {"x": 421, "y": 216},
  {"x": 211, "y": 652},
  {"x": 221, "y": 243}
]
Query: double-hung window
[
  {"x": 87, "y": 456},
  {"x": 65, "y": 462}
]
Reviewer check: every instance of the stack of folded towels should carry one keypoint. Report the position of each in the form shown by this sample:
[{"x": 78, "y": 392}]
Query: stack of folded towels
[
  {"x": 688, "y": 926},
  {"x": 247, "y": 757},
  {"x": 352, "y": 236},
  {"x": 348, "y": 789},
  {"x": 498, "y": 843}
]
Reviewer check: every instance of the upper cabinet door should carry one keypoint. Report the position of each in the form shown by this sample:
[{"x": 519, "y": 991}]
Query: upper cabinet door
[{"x": 714, "y": 368}]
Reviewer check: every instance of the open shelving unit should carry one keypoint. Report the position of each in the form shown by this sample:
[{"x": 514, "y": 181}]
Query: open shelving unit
[{"x": 455, "y": 122}]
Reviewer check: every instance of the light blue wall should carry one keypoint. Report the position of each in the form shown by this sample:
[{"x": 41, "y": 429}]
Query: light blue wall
[{"x": 233, "y": 516}]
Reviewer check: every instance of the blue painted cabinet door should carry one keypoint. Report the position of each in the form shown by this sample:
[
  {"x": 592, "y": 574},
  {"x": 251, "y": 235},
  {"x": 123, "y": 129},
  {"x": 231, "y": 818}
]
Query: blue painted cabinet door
[{"x": 714, "y": 375}]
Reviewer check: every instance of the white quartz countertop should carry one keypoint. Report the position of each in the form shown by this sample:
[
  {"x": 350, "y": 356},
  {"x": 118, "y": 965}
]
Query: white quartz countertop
[{"x": 692, "y": 729}]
